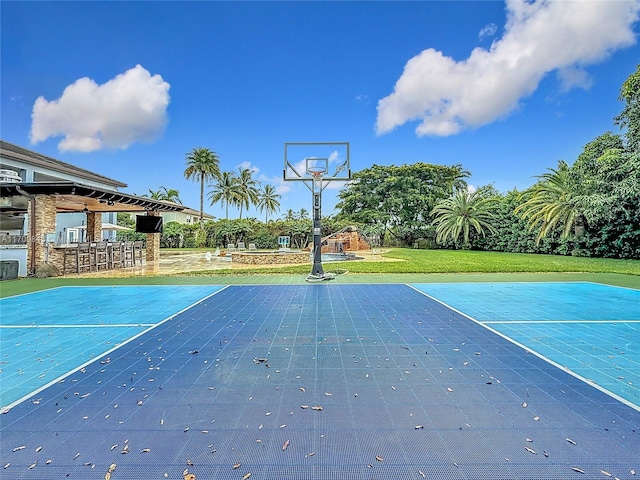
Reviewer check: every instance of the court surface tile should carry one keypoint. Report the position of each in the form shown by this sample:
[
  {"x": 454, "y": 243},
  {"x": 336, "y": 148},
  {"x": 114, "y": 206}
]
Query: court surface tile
[{"x": 320, "y": 382}]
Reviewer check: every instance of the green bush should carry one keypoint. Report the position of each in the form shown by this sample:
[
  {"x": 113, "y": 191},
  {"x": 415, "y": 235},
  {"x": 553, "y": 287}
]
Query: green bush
[
  {"x": 265, "y": 239},
  {"x": 426, "y": 243}
]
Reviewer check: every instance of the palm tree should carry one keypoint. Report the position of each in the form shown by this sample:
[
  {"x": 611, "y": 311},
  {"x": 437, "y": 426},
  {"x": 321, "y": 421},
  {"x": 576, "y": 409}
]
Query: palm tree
[
  {"x": 154, "y": 194},
  {"x": 202, "y": 165},
  {"x": 461, "y": 213},
  {"x": 248, "y": 189},
  {"x": 268, "y": 201},
  {"x": 289, "y": 216},
  {"x": 167, "y": 194},
  {"x": 226, "y": 191},
  {"x": 170, "y": 195},
  {"x": 551, "y": 202}
]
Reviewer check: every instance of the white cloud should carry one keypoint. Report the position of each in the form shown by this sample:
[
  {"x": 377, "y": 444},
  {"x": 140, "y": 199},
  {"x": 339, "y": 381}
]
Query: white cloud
[
  {"x": 248, "y": 165},
  {"x": 281, "y": 186},
  {"x": 540, "y": 37},
  {"x": 488, "y": 31},
  {"x": 335, "y": 184},
  {"x": 574, "y": 77},
  {"x": 132, "y": 107},
  {"x": 297, "y": 170}
]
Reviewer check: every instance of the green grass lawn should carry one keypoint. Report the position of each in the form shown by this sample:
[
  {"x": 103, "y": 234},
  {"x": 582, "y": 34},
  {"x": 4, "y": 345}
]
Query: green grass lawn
[
  {"x": 411, "y": 266},
  {"x": 466, "y": 261}
]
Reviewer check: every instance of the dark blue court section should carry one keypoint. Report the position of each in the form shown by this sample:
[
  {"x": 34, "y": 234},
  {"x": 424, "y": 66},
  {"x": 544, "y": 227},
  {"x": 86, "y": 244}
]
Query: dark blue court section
[{"x": 320, "y": 382}]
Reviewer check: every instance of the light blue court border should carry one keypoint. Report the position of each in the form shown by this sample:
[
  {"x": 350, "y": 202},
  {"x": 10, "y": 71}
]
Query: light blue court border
[
  {"x": 538, "y": 301},
  {"x": 100, "y": 305},
  {"x": 587, "y": 329},
  {"x": 47, "y": 335}
]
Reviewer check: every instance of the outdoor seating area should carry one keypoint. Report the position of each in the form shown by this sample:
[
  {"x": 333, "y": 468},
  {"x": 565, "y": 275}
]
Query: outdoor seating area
[{"x": 96, "y": 256}]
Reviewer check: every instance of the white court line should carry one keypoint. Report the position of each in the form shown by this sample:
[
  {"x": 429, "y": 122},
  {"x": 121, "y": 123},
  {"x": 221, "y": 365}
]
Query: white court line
[
  {"x": 533, "y": 352},
  {"x": 508, "y": 322},
  {"x": 95, "y": 325}
]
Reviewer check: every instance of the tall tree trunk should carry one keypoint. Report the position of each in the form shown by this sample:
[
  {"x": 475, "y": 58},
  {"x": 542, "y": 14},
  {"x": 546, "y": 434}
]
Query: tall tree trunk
[{"x": 201, "y": 200}]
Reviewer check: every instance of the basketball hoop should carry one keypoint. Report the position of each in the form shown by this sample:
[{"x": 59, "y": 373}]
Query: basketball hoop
[
  {"x": 316, "y": 172},
  {"x": 309, "y": 163}
]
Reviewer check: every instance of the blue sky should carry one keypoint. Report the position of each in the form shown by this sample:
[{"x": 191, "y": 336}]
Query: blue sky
[{"x": 127, "y": 89}]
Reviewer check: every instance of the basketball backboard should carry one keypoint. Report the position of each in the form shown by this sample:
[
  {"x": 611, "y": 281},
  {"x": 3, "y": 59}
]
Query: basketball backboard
[{"x": 302, "y": 159}]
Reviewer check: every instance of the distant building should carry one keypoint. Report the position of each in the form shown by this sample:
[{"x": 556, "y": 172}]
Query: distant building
[{"x": 188, "y": 216}]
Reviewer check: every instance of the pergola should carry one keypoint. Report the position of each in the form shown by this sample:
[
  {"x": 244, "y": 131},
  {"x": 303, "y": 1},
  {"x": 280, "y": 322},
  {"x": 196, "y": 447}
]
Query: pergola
[
  {"x": 43, "y": 200},
  {"x": 77, "y": 197}
]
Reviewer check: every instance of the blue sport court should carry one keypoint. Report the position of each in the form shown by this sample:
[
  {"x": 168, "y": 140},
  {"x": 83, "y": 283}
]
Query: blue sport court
[{"x": 321, "y": 381}]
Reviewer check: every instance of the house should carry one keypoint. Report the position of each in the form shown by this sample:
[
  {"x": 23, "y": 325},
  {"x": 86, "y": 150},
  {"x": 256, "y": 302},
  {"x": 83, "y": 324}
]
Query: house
[
  {"x": 188, "y": 216},
  {"x": 18, "y": 164},
  {"x": 46, "y": 203}
]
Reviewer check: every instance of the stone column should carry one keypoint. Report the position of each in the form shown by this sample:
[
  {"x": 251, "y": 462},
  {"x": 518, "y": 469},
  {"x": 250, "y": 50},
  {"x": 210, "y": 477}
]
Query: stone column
[
  {"x": 153, "y": 243},
  {"x": 45, "y": 222},
  {"x": 94, "y": 226}
]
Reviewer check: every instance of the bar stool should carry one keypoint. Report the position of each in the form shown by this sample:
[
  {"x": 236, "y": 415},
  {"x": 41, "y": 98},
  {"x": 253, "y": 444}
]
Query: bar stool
[
  {"x": 127, "y": 254},
  {"x": 115, "y": 255},
  {"x": 137, "y": 251},
  {"x": 82, "y": 256},
  {"x": 100, "y": 256}
]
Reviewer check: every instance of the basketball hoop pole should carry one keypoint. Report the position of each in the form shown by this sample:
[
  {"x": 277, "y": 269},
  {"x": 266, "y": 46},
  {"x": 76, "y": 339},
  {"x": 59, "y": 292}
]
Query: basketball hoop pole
[
  {"x": 317, "y": 270},
  {"x": 309, "y": 162}
]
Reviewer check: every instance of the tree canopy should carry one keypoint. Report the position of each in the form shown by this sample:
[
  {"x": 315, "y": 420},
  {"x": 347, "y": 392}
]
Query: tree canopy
[
  {"x": 226, "y": 190},
  {"x": 464, "y": 213},
  {"x": 399, "y": 199},
  {"x": 630, "y": 116},
  {"x": 268, "y": 201}
]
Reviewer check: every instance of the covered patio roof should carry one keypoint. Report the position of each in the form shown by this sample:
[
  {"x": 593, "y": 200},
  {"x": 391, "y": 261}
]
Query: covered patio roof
[{"x": 77, "y": 197}]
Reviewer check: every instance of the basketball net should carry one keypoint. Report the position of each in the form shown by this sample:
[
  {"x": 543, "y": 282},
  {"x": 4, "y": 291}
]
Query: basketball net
[{"x": 317, "y": 180}]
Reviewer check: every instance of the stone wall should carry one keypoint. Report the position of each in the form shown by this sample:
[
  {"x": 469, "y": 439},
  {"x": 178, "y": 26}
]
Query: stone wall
[
  {"x": 152, "y": 245},
  {"x": 45, "y": 222}
]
